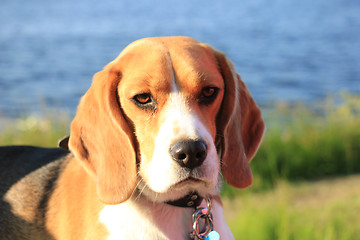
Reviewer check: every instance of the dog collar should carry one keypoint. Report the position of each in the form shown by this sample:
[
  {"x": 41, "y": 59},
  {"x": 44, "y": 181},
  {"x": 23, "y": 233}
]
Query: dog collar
[{"x": 192, "y": 200}]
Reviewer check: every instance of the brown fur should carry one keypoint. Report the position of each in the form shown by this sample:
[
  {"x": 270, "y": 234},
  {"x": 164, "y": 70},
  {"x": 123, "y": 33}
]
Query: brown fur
[
  {"x": 240, "y": 127},
  {"x": 108, "y": 132}
]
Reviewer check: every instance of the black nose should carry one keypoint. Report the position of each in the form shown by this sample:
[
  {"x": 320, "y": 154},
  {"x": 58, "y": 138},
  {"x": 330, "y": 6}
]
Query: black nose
[{"x": 190, "y": 154}]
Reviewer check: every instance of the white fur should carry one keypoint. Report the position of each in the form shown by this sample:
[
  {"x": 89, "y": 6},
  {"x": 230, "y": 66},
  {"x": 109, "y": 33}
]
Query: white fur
[
  {"x": 159, "y": 176},
  {"x": 142, "y": 219}
]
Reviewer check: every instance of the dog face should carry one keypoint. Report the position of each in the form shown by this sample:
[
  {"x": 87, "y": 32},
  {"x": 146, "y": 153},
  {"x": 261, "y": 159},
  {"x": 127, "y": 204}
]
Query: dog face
[
  {"x": 172, "y": 101},
  {"x": 158, "y": 117}
]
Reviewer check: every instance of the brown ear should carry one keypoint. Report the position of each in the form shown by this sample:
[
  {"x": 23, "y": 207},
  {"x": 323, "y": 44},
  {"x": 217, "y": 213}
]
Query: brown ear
[
  {"x": 102, "y": 140},
  {"x": 240, "y": 127}
]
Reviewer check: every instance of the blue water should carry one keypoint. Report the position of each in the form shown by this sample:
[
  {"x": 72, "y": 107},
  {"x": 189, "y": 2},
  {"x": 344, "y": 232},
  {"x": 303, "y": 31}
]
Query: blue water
[{"x": 286, "y": 50}]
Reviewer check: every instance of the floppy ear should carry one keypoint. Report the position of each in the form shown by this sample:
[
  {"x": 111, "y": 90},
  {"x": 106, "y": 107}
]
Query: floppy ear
[
  {"x": 240, "y": 127},
  {"x": 101, "y": 139}
]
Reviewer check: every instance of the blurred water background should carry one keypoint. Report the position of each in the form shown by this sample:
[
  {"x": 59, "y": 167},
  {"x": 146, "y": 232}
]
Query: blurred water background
[{"x": 285, "y": 50}]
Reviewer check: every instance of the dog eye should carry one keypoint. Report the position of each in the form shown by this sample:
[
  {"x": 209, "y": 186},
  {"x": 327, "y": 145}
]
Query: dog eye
[
  {"x": 208, "y": 92},
  {"x": 145, "y": 101},
  {"x": 143, "y": 98},
  {"x": 208, "y": 95}
]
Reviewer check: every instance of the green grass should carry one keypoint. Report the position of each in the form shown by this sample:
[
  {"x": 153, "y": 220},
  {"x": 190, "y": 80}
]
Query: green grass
[
  {"x": 34, "y": 130},
  {"x": 308, "y": 143},
  {"x": 302, "y": 143},
  {"x": 323, "y": 210}
]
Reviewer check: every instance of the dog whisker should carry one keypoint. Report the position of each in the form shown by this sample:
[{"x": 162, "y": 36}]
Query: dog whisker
[
  {"x": 140, "y": 180},
  {"x": 140, "y": 192}
]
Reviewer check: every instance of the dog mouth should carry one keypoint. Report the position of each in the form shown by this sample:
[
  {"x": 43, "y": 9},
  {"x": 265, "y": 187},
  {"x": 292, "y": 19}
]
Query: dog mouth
[{"x": 187, "y": 181}]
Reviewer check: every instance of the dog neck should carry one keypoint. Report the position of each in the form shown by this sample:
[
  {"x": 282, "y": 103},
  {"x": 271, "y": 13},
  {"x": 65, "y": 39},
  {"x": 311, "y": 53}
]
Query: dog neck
[
  {"x": 143, "y": 219},
  {"x": 137, "y": 218},
  {"x": 192, "y": 200}
]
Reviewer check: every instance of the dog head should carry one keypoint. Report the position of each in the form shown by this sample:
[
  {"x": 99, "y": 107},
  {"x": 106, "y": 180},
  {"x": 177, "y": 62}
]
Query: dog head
[{"x": 165, "y": 118}]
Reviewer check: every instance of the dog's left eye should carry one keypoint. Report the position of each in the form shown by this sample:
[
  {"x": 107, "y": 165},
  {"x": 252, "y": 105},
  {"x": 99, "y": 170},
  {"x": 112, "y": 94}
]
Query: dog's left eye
[{"x": 208, "y": 95}]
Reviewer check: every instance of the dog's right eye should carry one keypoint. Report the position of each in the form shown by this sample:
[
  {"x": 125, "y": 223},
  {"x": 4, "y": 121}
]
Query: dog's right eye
[
  {"x": 144, "y": 101},
  {"x": 143, "y": 98}
]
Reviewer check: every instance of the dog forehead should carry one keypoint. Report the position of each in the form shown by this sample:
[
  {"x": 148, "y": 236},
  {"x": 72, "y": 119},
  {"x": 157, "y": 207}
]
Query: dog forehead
[
  {"x": 167, "y": 51},
  {"x": 160, "y": 61},
  {"x": 145, "y": 55},
  {"x": 144, "y": 64},
  {"x": 164, "y": 42}
]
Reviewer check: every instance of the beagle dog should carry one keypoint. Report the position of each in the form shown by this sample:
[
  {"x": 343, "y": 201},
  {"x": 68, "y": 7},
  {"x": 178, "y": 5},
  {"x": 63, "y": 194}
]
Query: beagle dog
[{"x": 155, "y": 134}]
